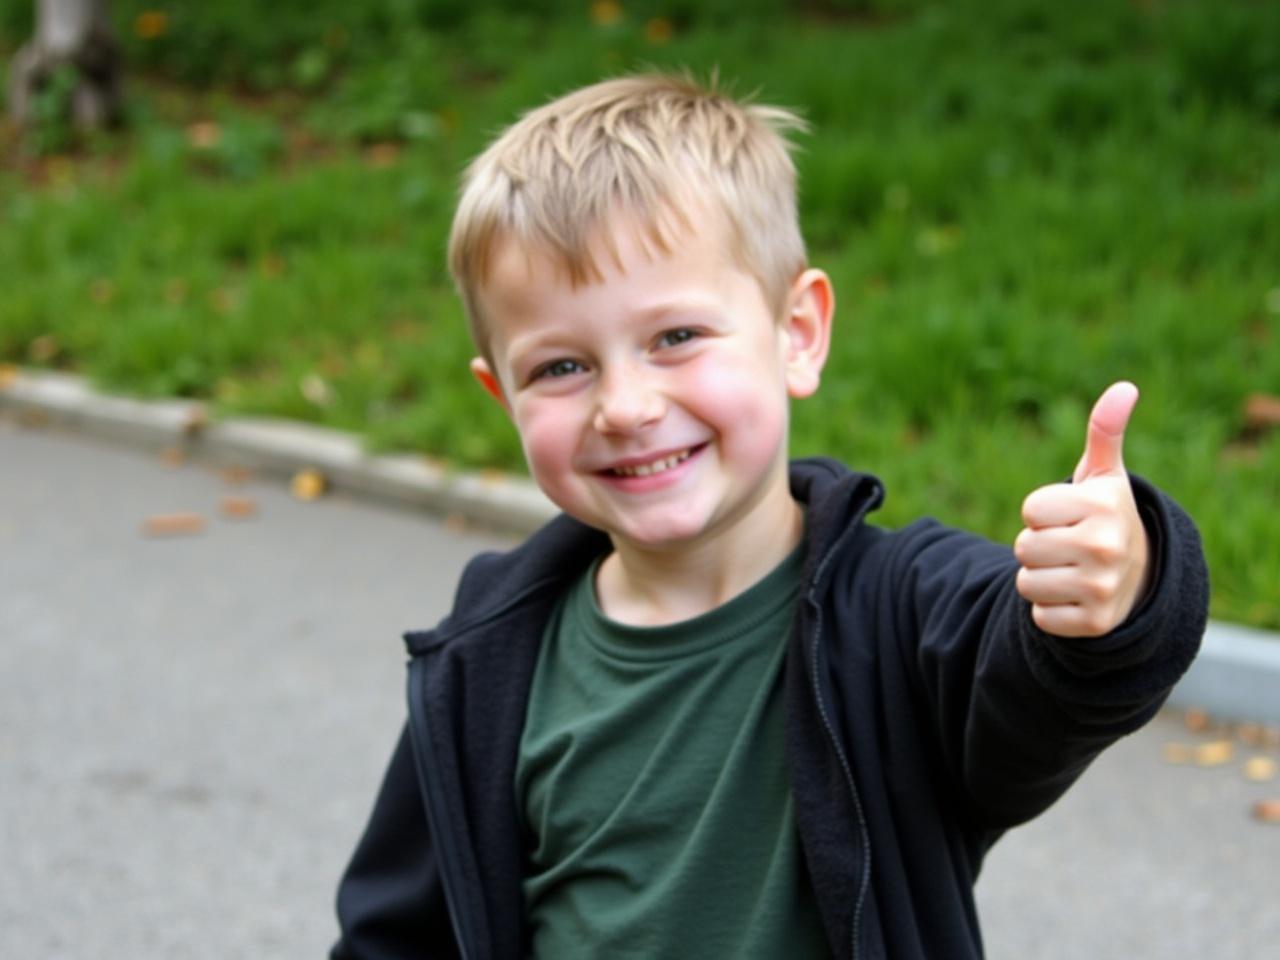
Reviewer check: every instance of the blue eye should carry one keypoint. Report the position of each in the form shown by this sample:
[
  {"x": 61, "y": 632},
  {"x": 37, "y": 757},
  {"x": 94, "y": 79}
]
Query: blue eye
[
  {"x": 558, "y": 368},
  {"x": 675, "y": 337}
]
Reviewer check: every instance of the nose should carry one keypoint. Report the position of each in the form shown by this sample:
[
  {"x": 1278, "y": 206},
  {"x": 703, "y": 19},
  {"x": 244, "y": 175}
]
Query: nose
[{"x": 627, "y": 401}]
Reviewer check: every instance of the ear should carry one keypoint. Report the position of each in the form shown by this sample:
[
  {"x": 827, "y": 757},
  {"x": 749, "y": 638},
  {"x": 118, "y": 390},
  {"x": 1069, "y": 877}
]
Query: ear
[
  {"x": 807, "y": 326},
  {"x": 488, "y": 379}
]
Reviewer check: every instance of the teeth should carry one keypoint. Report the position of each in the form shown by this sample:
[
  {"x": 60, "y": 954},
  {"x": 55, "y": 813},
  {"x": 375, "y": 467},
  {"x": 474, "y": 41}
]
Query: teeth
[{"x": 656, "y": 466}]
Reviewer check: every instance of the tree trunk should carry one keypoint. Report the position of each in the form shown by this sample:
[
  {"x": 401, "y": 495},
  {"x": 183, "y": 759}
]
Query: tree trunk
[{"x": 75, "y": 34}]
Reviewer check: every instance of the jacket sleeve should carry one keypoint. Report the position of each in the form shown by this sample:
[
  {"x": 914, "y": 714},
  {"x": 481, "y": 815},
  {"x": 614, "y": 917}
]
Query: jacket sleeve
[
  {"x": 1020, "y": 713},
  {"x": 391, "y": 904}
]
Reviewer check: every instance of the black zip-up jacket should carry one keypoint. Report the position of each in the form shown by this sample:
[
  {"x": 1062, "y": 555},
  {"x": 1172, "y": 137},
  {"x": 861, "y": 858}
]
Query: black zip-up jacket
[{"x": 925, "y": 715}]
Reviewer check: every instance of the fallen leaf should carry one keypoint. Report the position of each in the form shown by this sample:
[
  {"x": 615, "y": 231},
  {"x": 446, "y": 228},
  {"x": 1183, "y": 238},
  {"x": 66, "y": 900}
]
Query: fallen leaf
[
  {"x": 173, "y": 524},
  {"x": 1250, "y": 734},
  {"x": 1214, "y": 754},
  {"x": 308, "y": 484},
  {"x": 658, "y": 30},
  {"x": 151, "y": 24},
  {"x": 1268, "y": 811},
  {"x": 1262, "y": 411},
  {"x": 1196, "y": 720},
  {"x": 606, "y": 12},
  {"x": 379, "y": 156},
  {"x": 173, "y": 456},
  {"x": 238, "y": 508},
  {"x": 1259, "y": 769},
  {"x": 204, "y": 135}
]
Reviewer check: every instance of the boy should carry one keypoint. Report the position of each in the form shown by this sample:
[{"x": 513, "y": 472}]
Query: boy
[{"x": 710, "y": 711}]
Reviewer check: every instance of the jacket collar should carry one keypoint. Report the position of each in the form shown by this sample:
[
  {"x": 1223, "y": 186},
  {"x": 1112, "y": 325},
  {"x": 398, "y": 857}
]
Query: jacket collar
[{"x": 835, "y": 498}]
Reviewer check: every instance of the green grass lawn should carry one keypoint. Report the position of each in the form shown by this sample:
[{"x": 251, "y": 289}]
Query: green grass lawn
[{"x": 1019, "y": 202}]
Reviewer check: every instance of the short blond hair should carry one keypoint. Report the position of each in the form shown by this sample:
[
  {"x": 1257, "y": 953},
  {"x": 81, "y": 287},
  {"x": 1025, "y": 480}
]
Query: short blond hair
[{"x": 650, "y": 146}]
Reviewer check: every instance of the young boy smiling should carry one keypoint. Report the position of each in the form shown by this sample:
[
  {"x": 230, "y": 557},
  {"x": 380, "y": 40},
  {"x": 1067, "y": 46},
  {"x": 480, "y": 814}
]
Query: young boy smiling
[{"x": 710, "y": 711}]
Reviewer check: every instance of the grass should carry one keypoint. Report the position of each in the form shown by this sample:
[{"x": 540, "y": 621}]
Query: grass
[{"x": 1018, "y": 201}]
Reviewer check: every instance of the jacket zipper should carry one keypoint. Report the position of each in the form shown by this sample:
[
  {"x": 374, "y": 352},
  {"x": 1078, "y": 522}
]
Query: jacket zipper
[
  {"x": 460, "y": 917},
  {"x": 824, "y": 712},
  {"x": 849, "y": 780}
]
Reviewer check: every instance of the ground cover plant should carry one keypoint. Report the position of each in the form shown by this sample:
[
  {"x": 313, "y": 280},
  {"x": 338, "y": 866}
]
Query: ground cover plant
[{"x": 1019, "y": 202}]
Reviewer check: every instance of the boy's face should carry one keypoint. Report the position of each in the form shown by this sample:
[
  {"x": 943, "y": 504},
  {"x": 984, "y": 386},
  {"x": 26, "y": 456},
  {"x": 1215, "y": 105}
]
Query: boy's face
[{"x": 653, "y": 403}]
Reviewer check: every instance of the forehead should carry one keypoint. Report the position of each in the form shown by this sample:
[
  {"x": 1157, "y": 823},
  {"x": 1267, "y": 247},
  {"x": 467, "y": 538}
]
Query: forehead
[{"x": 521, "y": 273}]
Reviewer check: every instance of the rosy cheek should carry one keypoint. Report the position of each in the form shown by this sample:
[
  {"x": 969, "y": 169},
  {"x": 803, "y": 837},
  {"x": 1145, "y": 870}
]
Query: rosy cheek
[
  {"x": 745, "y": 403},
  {"x": 546, "y": 437}
]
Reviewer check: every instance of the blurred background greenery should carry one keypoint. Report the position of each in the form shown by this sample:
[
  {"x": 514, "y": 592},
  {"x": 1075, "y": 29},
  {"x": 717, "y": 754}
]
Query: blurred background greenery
[{"x": 1019, "y": 202}]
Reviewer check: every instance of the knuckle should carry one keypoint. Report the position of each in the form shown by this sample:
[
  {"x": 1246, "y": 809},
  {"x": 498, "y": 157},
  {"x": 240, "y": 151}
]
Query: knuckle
[
  {"x": 1108, "y": 548},
  {"x": 1029, "y": 509},
  {"x": 1022, "y": 544},
  {"x": 1023, "y": 582},
  {"x": 1041, "y": 618},
  {"x": 1100, "y": 588}
]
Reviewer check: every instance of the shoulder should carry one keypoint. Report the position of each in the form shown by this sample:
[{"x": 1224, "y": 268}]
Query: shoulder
[{"x": 547, "y": 562}]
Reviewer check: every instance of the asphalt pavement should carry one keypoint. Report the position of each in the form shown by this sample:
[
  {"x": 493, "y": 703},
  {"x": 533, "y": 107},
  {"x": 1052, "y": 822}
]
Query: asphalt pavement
[{"x": 193, "y": 725}]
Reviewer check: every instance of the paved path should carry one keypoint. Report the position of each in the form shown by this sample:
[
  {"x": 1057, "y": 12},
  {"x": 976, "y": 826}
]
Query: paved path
[{"x": 191, "y": 731}]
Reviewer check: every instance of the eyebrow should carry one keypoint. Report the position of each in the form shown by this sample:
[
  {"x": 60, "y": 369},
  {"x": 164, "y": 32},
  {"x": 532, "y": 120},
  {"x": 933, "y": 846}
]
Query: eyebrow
[{"x": 659, "y": 311}]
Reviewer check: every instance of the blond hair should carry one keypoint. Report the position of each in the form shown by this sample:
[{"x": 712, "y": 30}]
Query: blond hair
[{"x": 651, "y": 146}]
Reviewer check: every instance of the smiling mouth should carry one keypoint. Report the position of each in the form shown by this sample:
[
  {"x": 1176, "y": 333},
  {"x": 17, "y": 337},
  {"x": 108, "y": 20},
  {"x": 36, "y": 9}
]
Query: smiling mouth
[{"x": 653, "y": 466}]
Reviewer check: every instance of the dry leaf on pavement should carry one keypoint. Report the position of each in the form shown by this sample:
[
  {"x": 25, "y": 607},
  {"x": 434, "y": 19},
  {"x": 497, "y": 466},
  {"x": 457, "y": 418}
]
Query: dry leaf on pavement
[
  {"x": 1260, "y": 769},
  {"x": 1214, "y": 754},
  {"x": 238, "y": 508},
  {"x": 1268, "y": 811},
  {"x": 308, "y": 484},
  {"x": 173, "y": 524},
  {"x": 1196, "y": 720}
]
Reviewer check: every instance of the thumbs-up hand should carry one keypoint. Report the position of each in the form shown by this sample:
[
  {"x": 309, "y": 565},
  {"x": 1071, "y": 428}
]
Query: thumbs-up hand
[{"x": 1084, "y": 550}]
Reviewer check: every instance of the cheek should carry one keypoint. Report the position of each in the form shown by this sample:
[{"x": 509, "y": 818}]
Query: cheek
[
  {"x": 546, "y": 435},
  {"x": 747, "y": 403}
]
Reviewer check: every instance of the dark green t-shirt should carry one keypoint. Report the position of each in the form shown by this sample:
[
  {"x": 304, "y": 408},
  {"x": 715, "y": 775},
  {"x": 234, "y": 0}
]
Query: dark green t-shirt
[{"x": 652, "y": 778}]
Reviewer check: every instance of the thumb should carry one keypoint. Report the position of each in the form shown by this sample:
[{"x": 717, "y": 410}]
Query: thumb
[{"x": 1104, "y": 443}]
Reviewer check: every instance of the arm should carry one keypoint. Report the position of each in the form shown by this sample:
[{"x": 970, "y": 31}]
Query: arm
[
  {"x": 1024, "y": 690},
  {"x": 391, "y": 904}
]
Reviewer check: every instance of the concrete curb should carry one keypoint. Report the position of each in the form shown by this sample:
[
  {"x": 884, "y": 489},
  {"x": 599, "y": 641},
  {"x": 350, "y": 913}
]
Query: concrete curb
[
  {"x": 278, "y": 448},
  {"x": 1236, "y": 676}
]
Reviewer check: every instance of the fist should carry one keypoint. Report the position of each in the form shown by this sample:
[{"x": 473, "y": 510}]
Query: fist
[{"x": 1084, "y": 551}]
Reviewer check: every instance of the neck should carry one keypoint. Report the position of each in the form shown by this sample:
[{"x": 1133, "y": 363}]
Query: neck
[{"x": 655, "y": 587}]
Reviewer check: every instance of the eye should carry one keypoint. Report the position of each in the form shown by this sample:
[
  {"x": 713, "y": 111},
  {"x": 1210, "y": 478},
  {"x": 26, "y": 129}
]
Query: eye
[
  {"x": 556, "y": 369},
  {"x": 679, "y": 335}
]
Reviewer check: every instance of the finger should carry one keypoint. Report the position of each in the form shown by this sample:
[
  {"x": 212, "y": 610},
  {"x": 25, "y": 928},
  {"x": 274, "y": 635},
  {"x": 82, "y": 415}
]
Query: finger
[
  {"x": 1071, "y": 620},
  {"x": 1049, "y": 547},
  {"x": 1050, "y": 586},
  {"x": 1104, "y": 441},
  {"x": 1057, "y": 505}
]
